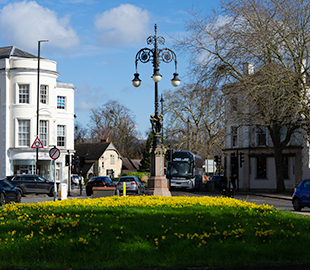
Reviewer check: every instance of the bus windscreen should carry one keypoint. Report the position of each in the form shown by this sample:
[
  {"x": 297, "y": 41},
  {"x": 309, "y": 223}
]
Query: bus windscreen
[{"x": 180, "y": 168}]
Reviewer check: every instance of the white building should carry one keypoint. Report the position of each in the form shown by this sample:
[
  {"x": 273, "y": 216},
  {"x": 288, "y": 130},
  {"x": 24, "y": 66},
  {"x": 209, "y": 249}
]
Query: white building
[
  {"x": 257, "y": 171},
  {"x": 18, "y": 108}
]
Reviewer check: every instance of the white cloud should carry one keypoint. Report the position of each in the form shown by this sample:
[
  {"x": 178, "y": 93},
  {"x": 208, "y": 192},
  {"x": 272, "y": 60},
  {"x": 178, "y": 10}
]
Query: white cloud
[
  {"x": 86, "y": 106},
  {"x": 87, "y": 98},
  {"x": 24, "y": 23},
  {"x": 122, "y": 25}
]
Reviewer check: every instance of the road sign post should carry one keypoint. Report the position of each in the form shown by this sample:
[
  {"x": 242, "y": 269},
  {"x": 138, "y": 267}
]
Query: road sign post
[{"x": 54, "y": 154}]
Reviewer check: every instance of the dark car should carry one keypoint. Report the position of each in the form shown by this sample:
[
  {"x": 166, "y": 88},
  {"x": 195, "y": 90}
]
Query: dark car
[
  {"x": 220, "y": 182},
  {"x": 98, "y": 181},
  {"x": 32, "y": 183},
  {"x": 301, "y": 196},
  {"x": 9, "y": 193},
  {"x": 132, "y": 183}
]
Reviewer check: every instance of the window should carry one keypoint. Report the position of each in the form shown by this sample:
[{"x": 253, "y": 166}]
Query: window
[
  {"x": 112, "y": 160},
  {"x": 283, "y": 132},
  {"x": 61, "y": 136},
  {"x": 285, "y": 167},
  {"x": 23, "y": 132},
  {"x": 307, "y": 184},
  {"x": 102, "y": 165},
  {"x": 43, "y": 94},
  {"x": 24, "y": 93},
  {"x": 261, "y": 168},
  {"x": 234, "y": 136},
  {"x": 261, "y": 136},
  {"x": 61, "y": 102},
  {"x": 234, "y": 104},
  {"x": 43, "y": 132}
]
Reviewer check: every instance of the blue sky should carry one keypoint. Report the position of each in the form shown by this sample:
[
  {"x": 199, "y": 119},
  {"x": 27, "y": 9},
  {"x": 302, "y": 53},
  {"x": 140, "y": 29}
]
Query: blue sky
[{"x": 94, "y": 43}]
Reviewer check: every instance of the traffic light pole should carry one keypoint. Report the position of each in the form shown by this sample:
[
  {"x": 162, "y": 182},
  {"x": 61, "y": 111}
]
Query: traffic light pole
[
  {"x": 69, "y": 176},
  {"x": 240, "y": 160},
  {"x": 237, "y": 171}
]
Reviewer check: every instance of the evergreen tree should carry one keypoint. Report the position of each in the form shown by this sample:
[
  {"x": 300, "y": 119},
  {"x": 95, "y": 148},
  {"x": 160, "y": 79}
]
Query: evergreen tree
[{"x": 146, "y": 159}]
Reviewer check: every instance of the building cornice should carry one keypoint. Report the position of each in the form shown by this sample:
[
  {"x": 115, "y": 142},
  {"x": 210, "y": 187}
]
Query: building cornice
[
  {"x": 34, "y": 70},
  {"x": 65, "y": 85}
]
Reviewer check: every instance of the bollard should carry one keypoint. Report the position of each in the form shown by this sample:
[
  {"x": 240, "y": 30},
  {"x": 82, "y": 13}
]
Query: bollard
[{"x": 124, "y": 188}]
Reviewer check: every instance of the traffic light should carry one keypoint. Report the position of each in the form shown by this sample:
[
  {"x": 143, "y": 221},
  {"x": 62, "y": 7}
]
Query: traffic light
[
  {"x": 220, "y": 160},
  {"x": 169, "y": 154},
  {"x": 241, "y": 158},
  {"x": 67, "y": 161},
  {"x": 216, "y": 159},
  {"x": 77, "y": 163},
  {"x": 73, "y": 161}
]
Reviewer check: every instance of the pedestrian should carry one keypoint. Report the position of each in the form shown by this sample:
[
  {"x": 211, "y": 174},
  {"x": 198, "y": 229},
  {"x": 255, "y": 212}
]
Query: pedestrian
[
  {"x": 72, "y": 183},
  {"x": 233, "y": 180},
  {"x": 81, "y": 182}
]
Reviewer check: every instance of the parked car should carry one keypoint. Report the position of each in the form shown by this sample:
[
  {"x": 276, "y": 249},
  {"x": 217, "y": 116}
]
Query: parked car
[
  {"x": 220, "y": 181},
  {"x": 301, "y": 196},
  {"x": 132, "y": 183},
  {"x": 98, "y": 181},
  {"x": 9, "y": 193},
  {"x": 32, "y": 183}
]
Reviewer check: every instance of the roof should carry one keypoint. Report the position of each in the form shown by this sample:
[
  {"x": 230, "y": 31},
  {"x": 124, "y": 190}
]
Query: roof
[
  {"x": 127, "y": 165},
  {"x": 131, "y": 165},
  {"x": 87, "y": 167},
  {"x": 12, "y": 51},
  {"x": 91, "y": 151},
  {"x": 136, "y": 163}
]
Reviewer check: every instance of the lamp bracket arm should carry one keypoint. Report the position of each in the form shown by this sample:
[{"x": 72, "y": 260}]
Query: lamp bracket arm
[
  {"x": 167, "y": 55},
  {"x": 144, "y": 55}
]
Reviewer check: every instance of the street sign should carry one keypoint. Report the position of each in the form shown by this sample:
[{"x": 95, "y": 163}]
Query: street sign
[
  {"x": 37, "y": 143},
  {"x": 54, "y": 153}
]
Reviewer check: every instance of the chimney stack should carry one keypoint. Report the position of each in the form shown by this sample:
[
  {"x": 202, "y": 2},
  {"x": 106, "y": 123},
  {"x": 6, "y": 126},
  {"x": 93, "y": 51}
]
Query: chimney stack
[{"x": 248, "y": 68}]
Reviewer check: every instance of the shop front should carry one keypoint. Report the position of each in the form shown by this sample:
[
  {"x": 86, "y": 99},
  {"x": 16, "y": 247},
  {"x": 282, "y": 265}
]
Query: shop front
[{"x": 25, "y": 163}]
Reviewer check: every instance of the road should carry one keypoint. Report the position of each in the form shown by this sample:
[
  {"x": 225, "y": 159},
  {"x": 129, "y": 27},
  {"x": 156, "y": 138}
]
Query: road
[
  {"x": 283, "y": 204},
  {"x": 280, "y": 204}
]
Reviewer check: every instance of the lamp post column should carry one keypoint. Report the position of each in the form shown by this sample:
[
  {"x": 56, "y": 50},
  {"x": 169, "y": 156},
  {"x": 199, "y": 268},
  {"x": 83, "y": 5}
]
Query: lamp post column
[
  {"x": 157, "y": 183},
  {"x": 38, "y": 102}
]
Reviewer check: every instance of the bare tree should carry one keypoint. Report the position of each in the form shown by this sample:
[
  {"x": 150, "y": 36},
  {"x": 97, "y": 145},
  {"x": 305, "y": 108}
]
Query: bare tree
[
  {"x": 116, "y": 123},
  {"x": 80, "y": 133},
  {"x": 193, "y": 114},
  {"x": 273, "y": 35}
]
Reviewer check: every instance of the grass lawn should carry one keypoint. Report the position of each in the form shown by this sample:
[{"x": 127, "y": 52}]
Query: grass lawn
[{"x": 148, "y": 231}]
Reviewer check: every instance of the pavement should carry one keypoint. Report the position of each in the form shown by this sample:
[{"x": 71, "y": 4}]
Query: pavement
[
  {"x": 275, "y": 196},
  {"x": 284, "y": 196}
]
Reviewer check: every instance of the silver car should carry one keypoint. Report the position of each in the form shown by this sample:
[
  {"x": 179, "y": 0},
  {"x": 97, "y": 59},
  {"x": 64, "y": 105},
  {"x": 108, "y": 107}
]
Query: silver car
[{"x": 132, "y": 184}]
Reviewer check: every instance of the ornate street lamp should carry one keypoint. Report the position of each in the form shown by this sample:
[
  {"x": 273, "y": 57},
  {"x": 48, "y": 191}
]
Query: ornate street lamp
[{"x": 157, "y": 184}]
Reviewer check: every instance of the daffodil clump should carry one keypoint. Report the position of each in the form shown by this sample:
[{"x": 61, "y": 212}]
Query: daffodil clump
[{"x": 149, "y": 231}]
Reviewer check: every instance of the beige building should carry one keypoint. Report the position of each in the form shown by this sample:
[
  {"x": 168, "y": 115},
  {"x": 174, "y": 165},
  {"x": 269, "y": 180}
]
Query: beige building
[{"x": 99, "y": 159}]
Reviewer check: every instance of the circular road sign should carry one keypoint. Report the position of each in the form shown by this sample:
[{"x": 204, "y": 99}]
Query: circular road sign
[{"x": 54, "y": 153}]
